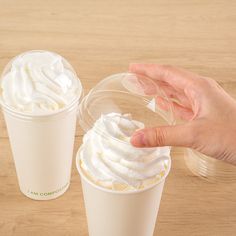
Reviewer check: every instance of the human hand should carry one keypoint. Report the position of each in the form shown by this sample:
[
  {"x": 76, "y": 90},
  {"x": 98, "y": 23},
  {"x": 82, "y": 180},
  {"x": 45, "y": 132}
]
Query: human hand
[{"x": 209, "y": 111}]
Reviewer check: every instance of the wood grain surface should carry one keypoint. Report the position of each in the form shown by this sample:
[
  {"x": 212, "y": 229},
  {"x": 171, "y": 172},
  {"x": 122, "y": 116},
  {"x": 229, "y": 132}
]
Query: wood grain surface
[{"x": 100, "y": 38}]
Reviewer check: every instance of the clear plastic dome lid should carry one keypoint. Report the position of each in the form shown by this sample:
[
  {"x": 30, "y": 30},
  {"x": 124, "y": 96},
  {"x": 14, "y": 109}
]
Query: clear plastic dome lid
[
  {"x": 46, "y": 84},
  {"x": 127, "y": 93}
]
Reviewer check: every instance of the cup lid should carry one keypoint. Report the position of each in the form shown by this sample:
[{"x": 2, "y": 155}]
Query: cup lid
[
  {"x": 124, "y": 93},
  {"x": 52, "y": 70}
]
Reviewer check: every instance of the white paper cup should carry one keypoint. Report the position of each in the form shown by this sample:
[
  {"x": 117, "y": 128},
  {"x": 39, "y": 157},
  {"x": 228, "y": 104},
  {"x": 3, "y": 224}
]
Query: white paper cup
[
  {"x": 114, "y": 212},
  {"x": 117, "y": 213},
  {"x": 42, "y": 147}
]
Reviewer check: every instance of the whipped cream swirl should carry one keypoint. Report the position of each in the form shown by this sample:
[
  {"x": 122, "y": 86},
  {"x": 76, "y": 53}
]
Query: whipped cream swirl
[
  {"x": 108, "y": 158},
  {"x": 39, "y": 82}
]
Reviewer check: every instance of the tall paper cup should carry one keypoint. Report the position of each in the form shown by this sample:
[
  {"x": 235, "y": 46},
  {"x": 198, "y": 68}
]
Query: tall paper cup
[
  {"x": 123, "y": 213},
  {"x": 42, "y": 147},
  {"x": 119, "y": 213}
]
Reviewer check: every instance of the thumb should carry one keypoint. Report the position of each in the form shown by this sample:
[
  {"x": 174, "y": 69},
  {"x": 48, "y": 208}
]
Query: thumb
[{"x": 179, "y": 135}]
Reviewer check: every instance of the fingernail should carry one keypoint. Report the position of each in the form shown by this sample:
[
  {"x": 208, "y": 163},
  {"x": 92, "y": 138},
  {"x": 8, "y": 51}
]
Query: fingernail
[{"x": 138, "y": 139}]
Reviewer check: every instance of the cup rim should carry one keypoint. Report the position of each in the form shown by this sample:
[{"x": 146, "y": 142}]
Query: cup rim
[
  {"x": 103, "y": 189},
  {"x": 24, "y": 115},
  {"x": 29, "y": 115}
]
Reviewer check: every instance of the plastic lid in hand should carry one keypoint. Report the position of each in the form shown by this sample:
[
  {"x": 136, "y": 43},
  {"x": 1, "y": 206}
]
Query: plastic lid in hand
[{"x": 125, "y": 93}]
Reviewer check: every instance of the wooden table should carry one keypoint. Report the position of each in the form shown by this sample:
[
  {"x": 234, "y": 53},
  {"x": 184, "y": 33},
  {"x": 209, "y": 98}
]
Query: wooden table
[{"x": 100, "y": 38}]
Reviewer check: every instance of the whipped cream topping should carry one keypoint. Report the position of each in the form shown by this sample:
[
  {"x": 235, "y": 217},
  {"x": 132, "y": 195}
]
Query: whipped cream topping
[
  {"x": 108, "y": 158},
  {"x": 39, "y": 82}
]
